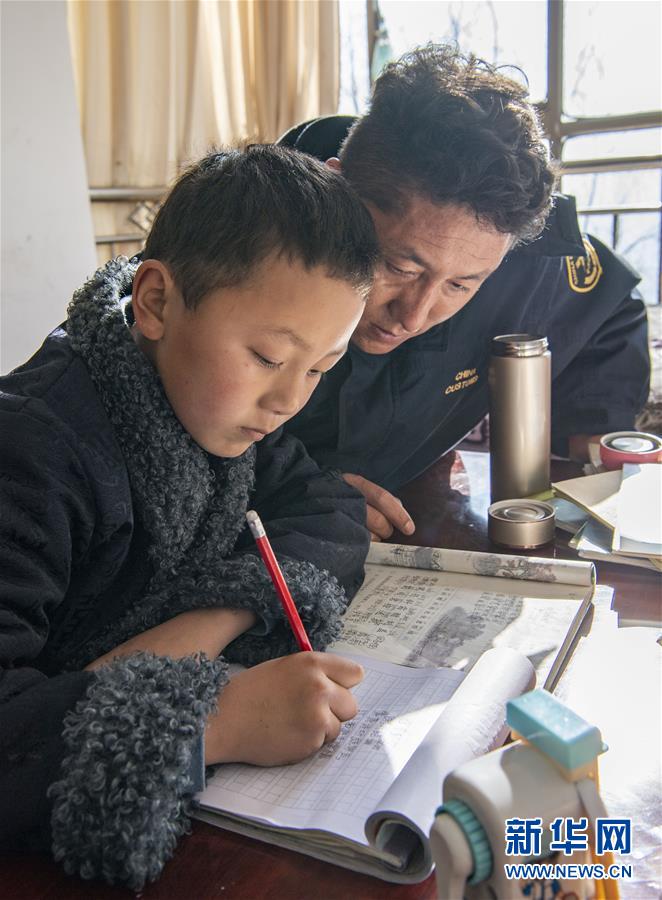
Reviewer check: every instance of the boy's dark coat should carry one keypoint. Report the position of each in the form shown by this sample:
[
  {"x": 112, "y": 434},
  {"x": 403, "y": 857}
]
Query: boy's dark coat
[{"x": 108, "y": 528}]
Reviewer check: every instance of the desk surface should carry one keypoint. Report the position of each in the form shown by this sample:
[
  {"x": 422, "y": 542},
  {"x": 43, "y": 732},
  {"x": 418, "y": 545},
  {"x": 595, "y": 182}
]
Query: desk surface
[{"x": 449, "y": 504}]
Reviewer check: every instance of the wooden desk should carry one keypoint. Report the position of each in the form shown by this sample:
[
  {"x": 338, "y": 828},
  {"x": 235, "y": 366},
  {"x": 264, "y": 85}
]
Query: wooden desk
[{"x": 449, "y": 504}]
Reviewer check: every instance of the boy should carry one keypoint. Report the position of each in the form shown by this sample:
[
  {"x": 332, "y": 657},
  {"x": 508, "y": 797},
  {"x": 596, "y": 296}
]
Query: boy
[{"x": 131, "y": 446}]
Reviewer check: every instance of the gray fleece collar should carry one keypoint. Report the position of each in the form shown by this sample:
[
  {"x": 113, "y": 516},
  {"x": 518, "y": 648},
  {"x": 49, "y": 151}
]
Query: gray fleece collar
[{"x": 185, "y": 504}]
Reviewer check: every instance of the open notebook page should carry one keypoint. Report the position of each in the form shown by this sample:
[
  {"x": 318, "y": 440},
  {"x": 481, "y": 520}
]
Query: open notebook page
[
  {"x": 472, "y": 723},
  {"x": 340, "y": 786},
  {"x": 397, "y": 824}
]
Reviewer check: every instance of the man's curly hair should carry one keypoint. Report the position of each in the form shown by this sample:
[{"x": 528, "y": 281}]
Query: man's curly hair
[{"x": 452, "y": 129}]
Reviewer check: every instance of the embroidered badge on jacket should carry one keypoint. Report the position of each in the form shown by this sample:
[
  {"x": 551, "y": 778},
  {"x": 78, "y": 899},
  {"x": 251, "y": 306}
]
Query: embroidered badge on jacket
[
  {"x": 464, "y": 379},
  {"x": 584, "y": 272}
]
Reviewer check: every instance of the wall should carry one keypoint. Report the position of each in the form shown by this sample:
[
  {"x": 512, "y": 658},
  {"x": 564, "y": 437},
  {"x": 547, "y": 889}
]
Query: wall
[{"x": 46, "y": 228}]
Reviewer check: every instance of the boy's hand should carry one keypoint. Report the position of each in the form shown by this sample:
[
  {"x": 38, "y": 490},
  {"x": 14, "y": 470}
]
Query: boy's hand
[
  {"x": 206, "y": 631},
  {"x": 282, "y": 710},
  {"x": 384, "y": 510}
]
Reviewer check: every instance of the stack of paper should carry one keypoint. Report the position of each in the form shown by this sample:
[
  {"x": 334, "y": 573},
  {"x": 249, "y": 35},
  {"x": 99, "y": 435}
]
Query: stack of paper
[{"x": 615, "y": 516}]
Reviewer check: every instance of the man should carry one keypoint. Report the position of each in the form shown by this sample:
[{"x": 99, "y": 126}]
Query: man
[{"x": 452, "y": 166}]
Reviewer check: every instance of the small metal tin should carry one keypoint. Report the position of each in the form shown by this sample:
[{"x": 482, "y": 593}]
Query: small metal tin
[
  {"x": 520, "y": 524},
  {"x": 629, "y": 447}
]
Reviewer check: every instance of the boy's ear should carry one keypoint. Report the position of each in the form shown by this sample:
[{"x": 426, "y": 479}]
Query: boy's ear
[
  {"x": 334, "y": 163},
  {"x": 153, "y": 287}
]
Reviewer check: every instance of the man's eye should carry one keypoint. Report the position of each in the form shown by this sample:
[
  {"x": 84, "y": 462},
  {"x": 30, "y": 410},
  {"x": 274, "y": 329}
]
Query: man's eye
[
  {"x": 459, "y": 288},
  {"x": 396, "y": 270},
  {"x": 263, "y": 361},
  {"x": 315, "y": 373}
]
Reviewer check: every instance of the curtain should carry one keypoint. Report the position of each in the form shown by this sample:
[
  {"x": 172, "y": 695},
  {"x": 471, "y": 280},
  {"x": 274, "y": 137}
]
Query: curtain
[{"x": 160, "y": 81}]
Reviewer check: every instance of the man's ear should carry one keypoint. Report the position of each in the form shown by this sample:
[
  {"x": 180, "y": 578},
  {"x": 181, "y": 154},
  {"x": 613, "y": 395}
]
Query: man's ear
[
  {"x": 153, "y": 287},
  {"x": 334, "y": 163}
]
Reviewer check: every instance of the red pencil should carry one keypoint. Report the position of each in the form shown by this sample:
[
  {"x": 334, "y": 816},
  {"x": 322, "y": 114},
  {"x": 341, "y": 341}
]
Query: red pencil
[{"x": 270, "y": 561}]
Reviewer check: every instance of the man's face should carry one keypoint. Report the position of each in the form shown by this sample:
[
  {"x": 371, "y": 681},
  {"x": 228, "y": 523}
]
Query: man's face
[
  {"x": 248, "y": 357},
  {"x": 434, "y": 260}
]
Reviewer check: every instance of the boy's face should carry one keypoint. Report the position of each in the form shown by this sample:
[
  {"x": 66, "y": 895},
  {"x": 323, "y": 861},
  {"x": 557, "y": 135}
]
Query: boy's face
[{"x": 248, "y": 357}]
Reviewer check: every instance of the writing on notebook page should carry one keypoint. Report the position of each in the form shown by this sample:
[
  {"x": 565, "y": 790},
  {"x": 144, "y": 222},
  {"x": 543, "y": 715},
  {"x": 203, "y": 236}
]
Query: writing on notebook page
[{"x": 350, "y": 775}]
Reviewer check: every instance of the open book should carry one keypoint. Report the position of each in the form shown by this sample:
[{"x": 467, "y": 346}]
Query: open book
[
  {"x": 367, "y": 801},
  {"x": 423, "y": 606}
]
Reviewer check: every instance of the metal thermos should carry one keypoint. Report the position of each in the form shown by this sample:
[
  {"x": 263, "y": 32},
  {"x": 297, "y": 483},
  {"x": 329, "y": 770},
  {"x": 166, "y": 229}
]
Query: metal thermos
[{"x": 520, "y": 379}]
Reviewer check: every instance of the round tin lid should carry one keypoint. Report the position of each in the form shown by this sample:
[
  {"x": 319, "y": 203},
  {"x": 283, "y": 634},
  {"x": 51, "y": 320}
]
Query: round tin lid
[{"x": 521, "y": 524}]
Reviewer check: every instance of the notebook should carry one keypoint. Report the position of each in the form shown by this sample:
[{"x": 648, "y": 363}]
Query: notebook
[{"x": 367, "y": 801}]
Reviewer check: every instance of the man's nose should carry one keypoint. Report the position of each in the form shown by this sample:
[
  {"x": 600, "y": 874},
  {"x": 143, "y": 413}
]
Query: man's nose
[{"x": 413, "y": 306}]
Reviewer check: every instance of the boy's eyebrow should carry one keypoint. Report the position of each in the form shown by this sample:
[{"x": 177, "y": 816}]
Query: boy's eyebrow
[
  {"x": 298, "y": 341},
  {"x": 292, "y": 336}
]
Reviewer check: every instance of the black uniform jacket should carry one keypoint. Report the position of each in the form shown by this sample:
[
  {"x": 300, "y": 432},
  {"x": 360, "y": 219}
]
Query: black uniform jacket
[{"x": 388, "y": 417}]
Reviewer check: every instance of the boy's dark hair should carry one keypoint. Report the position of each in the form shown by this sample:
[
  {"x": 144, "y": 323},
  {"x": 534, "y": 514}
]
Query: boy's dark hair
[
  {"x": 452, "y": 129},
  {"x": 232, "y": 209}
]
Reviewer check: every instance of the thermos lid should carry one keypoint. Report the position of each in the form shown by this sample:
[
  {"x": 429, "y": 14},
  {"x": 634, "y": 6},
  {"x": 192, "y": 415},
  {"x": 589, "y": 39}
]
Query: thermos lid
[
  {"x": 519, "y": 345},
  {"x": 520, "y": 524}
]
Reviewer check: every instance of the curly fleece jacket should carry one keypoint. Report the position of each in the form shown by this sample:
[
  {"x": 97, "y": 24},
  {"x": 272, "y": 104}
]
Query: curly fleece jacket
[{"x": 121, "y": 806}]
